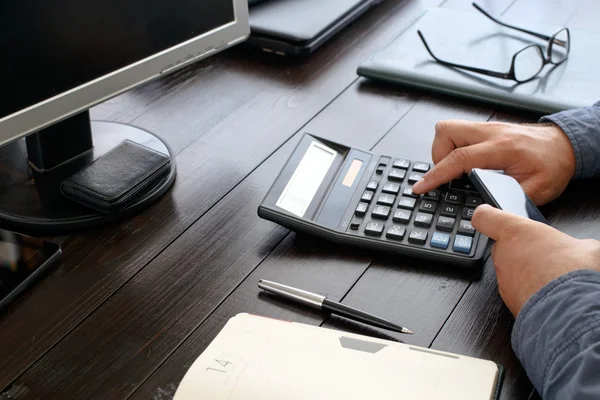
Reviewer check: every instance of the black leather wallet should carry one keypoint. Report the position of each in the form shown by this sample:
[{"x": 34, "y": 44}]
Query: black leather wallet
[{"x": 118, "y": 178}]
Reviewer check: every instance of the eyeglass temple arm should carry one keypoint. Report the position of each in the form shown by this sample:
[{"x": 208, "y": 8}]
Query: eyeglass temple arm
[
  {"x": 465, "y": 67},
  {"x": 539, "y": 35}
]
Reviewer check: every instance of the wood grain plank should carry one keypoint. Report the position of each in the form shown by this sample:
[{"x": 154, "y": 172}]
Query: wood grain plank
[
  {"x": 415, "y": 295},
  {"x": 480, "y": 327},
  {"x": 308, "y": 263},
  {"x": 305, "y": 263},
  {"x": 148, "y": 317},
  {"x": 98, "y": 262},
  {"x": 413, "y": 135},
  {"x": 181, "y": 107}
]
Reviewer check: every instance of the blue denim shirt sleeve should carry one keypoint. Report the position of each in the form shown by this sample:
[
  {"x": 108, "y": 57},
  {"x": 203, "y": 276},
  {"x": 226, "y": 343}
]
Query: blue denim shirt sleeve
[
  {"x": 582, "y": 126},
  {"x": 557, "y": 337}
]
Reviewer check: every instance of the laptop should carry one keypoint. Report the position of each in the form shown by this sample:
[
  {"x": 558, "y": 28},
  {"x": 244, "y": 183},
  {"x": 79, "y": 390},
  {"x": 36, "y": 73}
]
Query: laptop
[{"x": 299, "y": 27}]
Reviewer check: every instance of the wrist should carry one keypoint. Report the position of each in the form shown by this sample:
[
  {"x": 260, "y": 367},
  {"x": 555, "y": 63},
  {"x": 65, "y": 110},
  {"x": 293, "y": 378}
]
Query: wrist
[{"x": 563, "y": 149}]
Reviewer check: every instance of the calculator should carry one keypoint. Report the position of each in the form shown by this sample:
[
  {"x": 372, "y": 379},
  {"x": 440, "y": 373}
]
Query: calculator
[{"x": 358, "y": 198}]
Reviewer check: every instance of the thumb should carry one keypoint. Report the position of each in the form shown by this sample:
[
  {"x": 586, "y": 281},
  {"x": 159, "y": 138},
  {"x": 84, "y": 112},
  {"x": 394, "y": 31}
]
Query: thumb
[{"x": 495, "y": 223}]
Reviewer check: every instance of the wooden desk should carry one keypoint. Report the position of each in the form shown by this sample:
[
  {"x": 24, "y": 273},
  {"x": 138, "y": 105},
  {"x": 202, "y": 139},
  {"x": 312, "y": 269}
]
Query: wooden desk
[{"x": 133, "y": 304}]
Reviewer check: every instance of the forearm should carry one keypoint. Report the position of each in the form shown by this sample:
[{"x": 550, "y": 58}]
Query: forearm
[
  {"x": 582, "y": 126},
  {"x": 557, "y": 337}
]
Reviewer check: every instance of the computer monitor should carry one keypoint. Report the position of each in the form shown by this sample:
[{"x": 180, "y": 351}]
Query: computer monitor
[{"x": 59, "y": 58}]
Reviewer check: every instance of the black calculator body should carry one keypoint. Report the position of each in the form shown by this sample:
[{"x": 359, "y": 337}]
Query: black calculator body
[{"x": 354, "y": 197}]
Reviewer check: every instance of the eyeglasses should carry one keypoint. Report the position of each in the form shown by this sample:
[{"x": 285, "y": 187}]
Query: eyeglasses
[{"x": 528, "y": 62}]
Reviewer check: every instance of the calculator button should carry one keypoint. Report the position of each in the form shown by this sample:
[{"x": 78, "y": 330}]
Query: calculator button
[
  {"x": 402, "y": 216},
  {"x": 433, "y": 195},
  {"x": 415, "y": 177},
  {"x": 407, "y": 203},
  {"x": 408, "y": 192},
  {"x": 440, "y": 240},
  {"x": 473, "y": 201},
  {"x": 392, "y": 188},
  {"x": 445, "y": 224},
  {"x": 372, "y": 185},
  {"x": 462, "y": 244},
  {"x": 428, "y": 206},
  {"x": 463, "y": 183},
  {"x": 421, "y": 167},
  {"x": 381, "y": 212},
  {"x": 367, "y": 196},
  {"x": 423, "y": 220},
  {"x": 449, "y": 211},
  {"x": 354, "y": 226},
  {"x": 417, "y": 236},
  {"x": 361, "y": 209},
  {"x": 401, "y": 163},
  {"x": 465, "y": 228},
  {"x": 468, "y": 213},
  {"x": 395, "y": 232},
  {"x": 454, "y": 198},
  {"x": 374, "y": 228},
  {"x": 386, "y": 199},
  {"x": 397, "y": 175}
]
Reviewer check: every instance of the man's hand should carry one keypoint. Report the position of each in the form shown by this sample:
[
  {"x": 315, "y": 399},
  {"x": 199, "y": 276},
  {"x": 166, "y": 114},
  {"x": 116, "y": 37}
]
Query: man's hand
[
  {"x": 540, "y": 157},
  {"x": 529, "y": 254}
]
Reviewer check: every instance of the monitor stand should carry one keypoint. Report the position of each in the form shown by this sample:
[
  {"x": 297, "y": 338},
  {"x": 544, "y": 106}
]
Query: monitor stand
[{"x": 32, "y": 169}]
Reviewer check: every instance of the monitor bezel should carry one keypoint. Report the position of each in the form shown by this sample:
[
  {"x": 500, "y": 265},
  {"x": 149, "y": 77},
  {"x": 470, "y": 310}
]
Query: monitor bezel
[{"x": 81, "y": 98}]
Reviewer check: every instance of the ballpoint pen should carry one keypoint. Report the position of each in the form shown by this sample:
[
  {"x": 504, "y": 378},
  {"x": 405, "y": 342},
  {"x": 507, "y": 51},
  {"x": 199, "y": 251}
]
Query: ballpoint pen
[{"x": 323, "y": 303}]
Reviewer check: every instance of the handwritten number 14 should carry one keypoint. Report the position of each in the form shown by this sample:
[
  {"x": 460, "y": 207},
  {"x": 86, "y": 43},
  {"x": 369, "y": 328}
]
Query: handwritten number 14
[{"x": 222, "y": 363}]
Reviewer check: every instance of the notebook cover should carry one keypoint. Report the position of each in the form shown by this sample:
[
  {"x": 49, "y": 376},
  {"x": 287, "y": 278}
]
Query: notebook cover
[
  {"x": 260, "y": 358},
  {"x": 470, "y": 38},
  {"x": 501, "y": 373}
]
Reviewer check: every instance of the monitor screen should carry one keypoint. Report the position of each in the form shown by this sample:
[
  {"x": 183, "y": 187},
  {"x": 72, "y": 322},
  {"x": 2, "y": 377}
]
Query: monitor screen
[{"x": 49, "y": 47}]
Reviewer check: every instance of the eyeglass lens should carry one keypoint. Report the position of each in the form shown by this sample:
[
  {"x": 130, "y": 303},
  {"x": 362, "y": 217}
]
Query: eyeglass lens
[{"x": 528, "y": 63}]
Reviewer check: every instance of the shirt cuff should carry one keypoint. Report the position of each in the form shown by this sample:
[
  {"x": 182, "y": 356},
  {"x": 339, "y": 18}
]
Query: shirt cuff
[
  {"x": 552, "y": 319},
  {"x": 563, "y": 124},
  {"x": 582, "y": 127}
]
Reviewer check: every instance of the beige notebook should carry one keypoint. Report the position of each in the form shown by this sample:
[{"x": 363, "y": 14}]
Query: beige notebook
[{"x": 256, "y": 358}]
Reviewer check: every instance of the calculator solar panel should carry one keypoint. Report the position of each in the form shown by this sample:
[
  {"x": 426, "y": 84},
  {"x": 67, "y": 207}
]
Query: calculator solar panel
[{"x": 355, "y": 197}]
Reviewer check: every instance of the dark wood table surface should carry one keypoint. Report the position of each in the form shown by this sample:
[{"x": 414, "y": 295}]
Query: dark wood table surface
[{"x": 133, "y": 304}]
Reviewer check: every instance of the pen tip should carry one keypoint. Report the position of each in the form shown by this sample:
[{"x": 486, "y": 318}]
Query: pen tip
[{"x": 407, "y": 331}]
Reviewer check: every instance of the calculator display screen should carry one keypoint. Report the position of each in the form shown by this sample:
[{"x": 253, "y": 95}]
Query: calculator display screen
[
  {"x": 306, "y": 179},
  {"x": 352, "y": 173}
]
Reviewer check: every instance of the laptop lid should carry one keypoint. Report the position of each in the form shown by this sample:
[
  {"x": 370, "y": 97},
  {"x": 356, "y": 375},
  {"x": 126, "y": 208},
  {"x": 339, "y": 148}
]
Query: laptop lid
[
  {"x": 254, "y": 2},
  {"x": 299, "y": 20}
]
